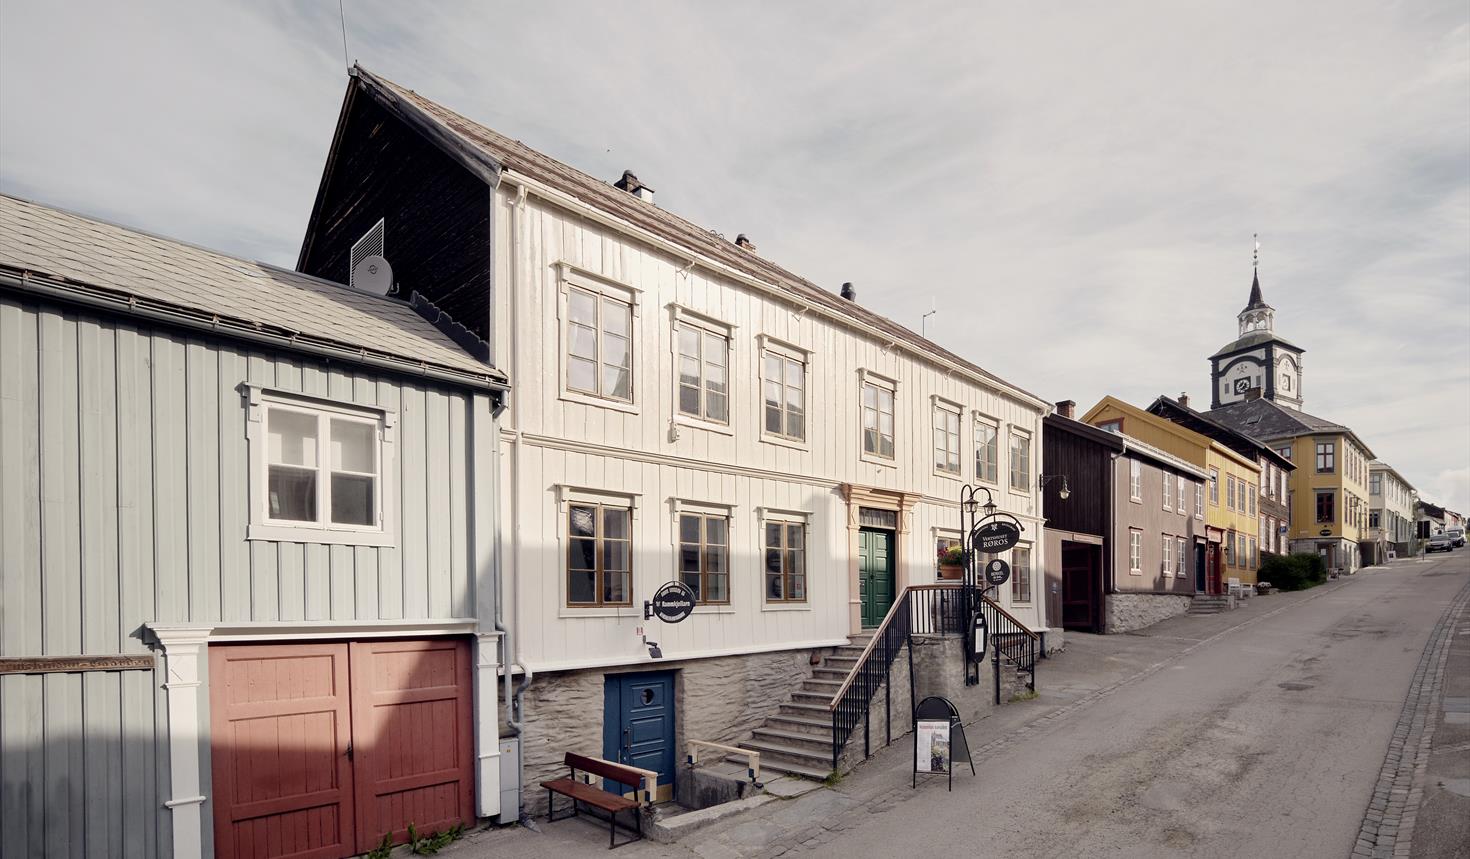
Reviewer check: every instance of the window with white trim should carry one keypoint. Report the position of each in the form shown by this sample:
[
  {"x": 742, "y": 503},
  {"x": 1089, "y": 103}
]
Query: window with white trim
[
  {"x": 325, "y": 471},
  {"x": 1215, "y": 486},
  {"x": 784, "y": 545},
  {"x": 1199, "y": 501},
  {"x": 1021, "y": 574},
  {"x": 599, "y": 343},
  {"x": 704, "y": 555},
  {"x": 946, "y": 438},
  {"x": 1168, "y": 490},
  {"x": 703, "y": 355},
  {"x": 784, "y": 384},
  {"x": 1135, "y": 551},
  {"x": 987, "y": 450},
  {"x": 1179, "y": 555},
  {"x": 877, "y": 405},
  {"x": 1020, "y": 461},
  {"x": 1167, "y": 566},
  {"x": 1181, "y": 487},
  {"x": 1135, "y": 480},
  {"x": 1230, "y": 492}
]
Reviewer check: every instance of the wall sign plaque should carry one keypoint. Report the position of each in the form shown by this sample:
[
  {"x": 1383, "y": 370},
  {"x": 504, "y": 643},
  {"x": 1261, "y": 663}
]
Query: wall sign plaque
[
  {"x": 67, "y": 664},
  {"x": 672, "y": 603},
  {"x": 994, "y": 536},
  {"x": 997, "y": 572},
  {"x": 976, "y": 640}
]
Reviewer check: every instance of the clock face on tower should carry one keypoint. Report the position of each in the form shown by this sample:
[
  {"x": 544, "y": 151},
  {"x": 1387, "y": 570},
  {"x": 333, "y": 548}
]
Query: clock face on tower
[{"x": 1242, "y": 385}]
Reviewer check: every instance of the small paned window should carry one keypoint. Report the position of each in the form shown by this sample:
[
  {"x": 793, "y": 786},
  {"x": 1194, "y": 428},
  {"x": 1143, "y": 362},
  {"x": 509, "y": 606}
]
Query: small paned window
[
  {"x": 1326, "y": 457},
  {"x": 1020, "y": 462},
  {"x": 785, "y": 396},
  {"x": 704, "y": 556},
  {"x": 1199, "y": 501},
  {"x": 704, "y": 367},
  {"x": 987, "y": 452},
  {"x": 599, "y": 555},
  {"x": 785, "y": 547},
  {"x": 946, "y": 440},
  {"x": 1179, "y": 557},
  {"x": 1021, "y": 575},
  {"x": 1168, "y": 491},
  {"x": 877, "y": 420},
  {"x": 1135, "y": 480},
  {"x": 1215, "y": 486},
  {"x": 1167, "y": 566},
  {"x": 1182, "y": 488},
  {"x": 1135, "y": 552},
  {"x": 599, "y": 345},
  {"x": 1229, "y": 492},
  {"x": 1326, "y": 507}
]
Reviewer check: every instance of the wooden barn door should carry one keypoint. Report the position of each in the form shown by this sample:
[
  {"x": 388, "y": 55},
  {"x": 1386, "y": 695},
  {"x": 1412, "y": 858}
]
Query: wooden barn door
[
  {"x": 281, "y": 734},
  {"x": 414, "y": 741}
]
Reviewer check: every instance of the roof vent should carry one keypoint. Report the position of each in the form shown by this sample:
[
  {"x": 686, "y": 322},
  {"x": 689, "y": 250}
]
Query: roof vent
[
  {"x": 848, "y": 292},
  {"x": 744, "y": 242},
  {"x": 630, "y": 183}
]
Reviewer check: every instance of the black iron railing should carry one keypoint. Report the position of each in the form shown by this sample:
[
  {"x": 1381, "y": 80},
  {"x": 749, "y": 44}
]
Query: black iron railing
[
  {"x": 920, "y": 609},
  {"x": 1012, "y": 645}
]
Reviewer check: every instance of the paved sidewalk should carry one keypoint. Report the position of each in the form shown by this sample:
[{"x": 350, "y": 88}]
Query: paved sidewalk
[
  {"x": 1442, "y": 830},
  {"x": 1090, "y": 669}
]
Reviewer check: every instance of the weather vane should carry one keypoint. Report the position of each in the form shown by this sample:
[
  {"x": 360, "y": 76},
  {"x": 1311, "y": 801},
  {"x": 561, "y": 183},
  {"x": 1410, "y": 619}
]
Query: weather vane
[{"x": 1256, "y": 254}]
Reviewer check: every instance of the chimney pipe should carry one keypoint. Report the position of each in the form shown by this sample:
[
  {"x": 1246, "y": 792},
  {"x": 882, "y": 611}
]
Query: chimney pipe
[
  {"x": 743, "y": 241},
  {"x": 630, "y": 183},
  {"x": 1184, "y": 399},
  {"x": 1067, "y": 408},
  {"x": 848, "y": 292}
]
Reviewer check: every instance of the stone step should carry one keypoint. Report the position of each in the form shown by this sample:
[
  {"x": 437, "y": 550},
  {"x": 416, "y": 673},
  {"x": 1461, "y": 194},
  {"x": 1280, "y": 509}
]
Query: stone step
[
  {"x": 801, "y": 725},
  {"x": 841, "y": 663},
  {"x": 807, "y": 711},
  {"x": 849, "y": 649},
  {"x": 816, "y": 699},
  {"x": 813, "y": 743},
  {"x": 829, "y": 674},
  {"x": 791, "y": 768},
  {"x": 776, "y": 755},
  {"x": 822, "y": 684}
]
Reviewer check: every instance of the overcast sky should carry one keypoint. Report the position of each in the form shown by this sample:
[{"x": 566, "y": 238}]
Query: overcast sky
[{"x": 1074, "y": 189}]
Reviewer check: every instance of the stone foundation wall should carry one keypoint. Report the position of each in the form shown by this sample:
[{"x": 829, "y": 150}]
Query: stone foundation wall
[
  {"x": 719, "y": 700},
  {"x": 1127, "y": 612}
]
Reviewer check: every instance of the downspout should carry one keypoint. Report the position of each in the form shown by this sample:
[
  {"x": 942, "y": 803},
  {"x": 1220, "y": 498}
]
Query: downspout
[{"x": 1109, "y": 566}]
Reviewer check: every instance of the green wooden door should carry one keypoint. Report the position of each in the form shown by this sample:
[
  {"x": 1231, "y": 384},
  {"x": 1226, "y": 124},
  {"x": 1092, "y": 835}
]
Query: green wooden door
[{"x": 875, "y": 577}]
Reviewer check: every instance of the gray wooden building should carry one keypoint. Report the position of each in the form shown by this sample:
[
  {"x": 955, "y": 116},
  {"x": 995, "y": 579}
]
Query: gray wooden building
[{"x": 247, "y": 554}]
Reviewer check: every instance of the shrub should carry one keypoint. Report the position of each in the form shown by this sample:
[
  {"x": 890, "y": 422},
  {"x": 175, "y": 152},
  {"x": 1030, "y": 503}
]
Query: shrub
[{"x": 1294, "y": 572}]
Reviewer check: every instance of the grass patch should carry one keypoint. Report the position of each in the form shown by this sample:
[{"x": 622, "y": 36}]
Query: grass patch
[{"x": 1024, "y": 695}]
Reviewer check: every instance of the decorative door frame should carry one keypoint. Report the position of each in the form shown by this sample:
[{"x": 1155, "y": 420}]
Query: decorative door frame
[{"x": 899, "y": 502}]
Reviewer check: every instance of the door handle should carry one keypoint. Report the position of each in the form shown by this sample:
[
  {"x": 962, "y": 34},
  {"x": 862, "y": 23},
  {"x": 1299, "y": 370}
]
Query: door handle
[
  {"x": 627, "y": 744},
  {"x": 349, "y": 751}
]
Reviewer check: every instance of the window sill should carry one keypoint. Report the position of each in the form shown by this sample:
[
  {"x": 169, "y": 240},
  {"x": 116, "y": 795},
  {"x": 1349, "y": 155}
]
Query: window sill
[
  {"x": 782, "y": 441},
  {"x": 598, "y": 402},
  {"x": 793, "y": 606},
  {"x": 878, "y": 460},
  {"x": 682, "y": 420},
  {"x": 948, "y": 475},
  {"x": 1135, "y": 572},
  {"x": 598, "y": 611},
  {"x": 322, "y": 536},
  {"x": 714, "y": 609}
]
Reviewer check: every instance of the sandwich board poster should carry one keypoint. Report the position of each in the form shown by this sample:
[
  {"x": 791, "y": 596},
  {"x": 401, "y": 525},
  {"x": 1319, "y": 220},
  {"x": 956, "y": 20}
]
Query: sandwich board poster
[
  {"x": 939, "y": 740},
  {"x": 933, "y": 749}
]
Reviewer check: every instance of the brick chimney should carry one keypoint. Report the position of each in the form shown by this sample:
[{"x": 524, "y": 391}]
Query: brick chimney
[
  {"x": 1067, "y": 409},
  {"x": 1184, "y": 399},
  {"x": 630, "y": 183}
]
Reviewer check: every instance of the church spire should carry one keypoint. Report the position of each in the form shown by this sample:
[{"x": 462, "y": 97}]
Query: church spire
[
  {"x": 1257, "y": 315},
  {"x": 1256, "y": 300}
]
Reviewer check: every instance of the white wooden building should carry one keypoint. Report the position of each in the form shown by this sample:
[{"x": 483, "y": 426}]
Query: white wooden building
[{"x": 683, "y": 409}]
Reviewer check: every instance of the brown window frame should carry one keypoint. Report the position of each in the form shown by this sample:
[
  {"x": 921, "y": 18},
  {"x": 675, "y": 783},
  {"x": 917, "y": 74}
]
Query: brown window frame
[
  {"x": 1021, "y": 576},
  {"x": 703, "y": 575},
  {"x": 1331, "y": 496},
  {"x": 1326, "y": 457},
  {"x": 787, "y": 556},
  {"x": 599, "y": 540}
]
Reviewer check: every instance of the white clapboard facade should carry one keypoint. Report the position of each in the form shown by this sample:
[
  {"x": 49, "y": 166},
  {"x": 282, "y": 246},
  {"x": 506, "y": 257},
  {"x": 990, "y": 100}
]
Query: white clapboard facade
[{"x": 683, "y": 410}]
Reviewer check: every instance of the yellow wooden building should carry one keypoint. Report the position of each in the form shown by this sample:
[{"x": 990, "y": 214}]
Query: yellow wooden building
[{"x": 1231, "y": 491}]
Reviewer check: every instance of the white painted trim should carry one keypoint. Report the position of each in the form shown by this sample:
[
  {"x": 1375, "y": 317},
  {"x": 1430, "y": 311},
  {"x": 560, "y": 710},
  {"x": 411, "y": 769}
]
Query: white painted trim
[
  {"x": 228, "y": 633},
  {"x": 181, "y": 645},
  {"x": 573, "y": 665},
  {"x": 487, "y": 724}
]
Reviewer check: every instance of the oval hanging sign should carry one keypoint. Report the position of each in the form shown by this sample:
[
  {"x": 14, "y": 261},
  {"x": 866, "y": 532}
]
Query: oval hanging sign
[
  {"x": 672, "y": 603},
  {"x": 994, "y": 536},
  {"x": 997, "y": 572}
]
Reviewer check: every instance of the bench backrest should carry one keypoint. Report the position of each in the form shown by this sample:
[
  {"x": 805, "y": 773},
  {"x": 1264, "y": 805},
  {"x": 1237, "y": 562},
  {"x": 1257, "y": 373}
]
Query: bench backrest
[{"x": 606, "y": 769}]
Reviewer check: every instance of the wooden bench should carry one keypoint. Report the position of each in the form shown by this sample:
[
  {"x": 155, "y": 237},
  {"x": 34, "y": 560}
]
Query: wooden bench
[{"x": 596, "y": 797}]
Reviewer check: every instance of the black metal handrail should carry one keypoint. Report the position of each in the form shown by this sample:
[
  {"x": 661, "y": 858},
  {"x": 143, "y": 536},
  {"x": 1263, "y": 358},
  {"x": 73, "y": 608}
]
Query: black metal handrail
[
  {"x": 1011, "y": 641},
  {"x": 920, "y": 609}
]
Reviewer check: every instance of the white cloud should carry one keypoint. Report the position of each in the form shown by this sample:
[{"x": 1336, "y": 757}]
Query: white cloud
[{"x": 1075, "y": 188}]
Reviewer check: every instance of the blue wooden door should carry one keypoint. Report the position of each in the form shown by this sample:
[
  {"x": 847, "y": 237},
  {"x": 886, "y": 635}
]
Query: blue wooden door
[{"x": 638, "y": 724}]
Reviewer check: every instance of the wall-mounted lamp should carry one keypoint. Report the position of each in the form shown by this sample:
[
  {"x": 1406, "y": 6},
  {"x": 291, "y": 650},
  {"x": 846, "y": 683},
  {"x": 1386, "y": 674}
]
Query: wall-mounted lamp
[{"x": 1066, "y": 491}]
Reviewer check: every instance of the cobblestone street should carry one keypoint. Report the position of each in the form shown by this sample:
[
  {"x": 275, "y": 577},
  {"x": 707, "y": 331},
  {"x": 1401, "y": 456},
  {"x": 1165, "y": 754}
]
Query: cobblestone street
[{"x": 1293, "y": 726}]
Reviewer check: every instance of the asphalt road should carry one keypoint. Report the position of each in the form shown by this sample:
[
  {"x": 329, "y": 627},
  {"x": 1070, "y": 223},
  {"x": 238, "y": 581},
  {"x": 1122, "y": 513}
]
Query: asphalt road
[{"x": 1266, "y": 742}]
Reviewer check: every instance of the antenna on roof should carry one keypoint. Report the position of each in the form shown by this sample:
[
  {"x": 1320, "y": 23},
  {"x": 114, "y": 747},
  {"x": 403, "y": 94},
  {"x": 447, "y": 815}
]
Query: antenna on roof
[
  {"x": 924, "y": 320},
  {"x": 342, "y": 13}
]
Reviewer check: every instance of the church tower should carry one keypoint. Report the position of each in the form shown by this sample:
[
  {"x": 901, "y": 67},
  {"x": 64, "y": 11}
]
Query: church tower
[{"x": 1258, "y": 363}]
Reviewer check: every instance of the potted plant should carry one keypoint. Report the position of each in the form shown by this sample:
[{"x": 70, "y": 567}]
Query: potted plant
[{"x": 952, "y": 562}]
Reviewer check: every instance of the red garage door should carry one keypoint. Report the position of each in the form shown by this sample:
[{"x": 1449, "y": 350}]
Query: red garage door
[{"x": 320, "y": 749}]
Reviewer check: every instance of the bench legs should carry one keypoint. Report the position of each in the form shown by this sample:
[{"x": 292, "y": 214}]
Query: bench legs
[{"x": 612, "y": 820}]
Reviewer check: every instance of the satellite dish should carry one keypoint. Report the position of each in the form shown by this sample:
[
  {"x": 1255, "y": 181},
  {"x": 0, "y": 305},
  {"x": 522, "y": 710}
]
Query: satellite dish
[{"x": 373, "y": 275}]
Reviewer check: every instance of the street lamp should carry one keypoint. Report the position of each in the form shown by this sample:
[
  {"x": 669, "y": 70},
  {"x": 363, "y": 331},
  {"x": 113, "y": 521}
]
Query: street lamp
[{"x": 1064, "y": 493}]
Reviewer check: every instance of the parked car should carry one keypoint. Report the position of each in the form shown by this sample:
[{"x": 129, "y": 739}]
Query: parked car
[
  {"x": 1440, "y": 543},
  {"x": 1456, "y": 535}
]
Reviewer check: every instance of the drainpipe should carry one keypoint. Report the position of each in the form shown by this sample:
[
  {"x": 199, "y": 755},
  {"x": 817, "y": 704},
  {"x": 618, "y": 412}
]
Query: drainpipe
[{"x": 1109, "y": 564}]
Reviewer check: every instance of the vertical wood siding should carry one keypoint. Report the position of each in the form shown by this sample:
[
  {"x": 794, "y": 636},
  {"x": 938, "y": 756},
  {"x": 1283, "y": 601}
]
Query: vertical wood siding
[{"x": 124, "y": 491}]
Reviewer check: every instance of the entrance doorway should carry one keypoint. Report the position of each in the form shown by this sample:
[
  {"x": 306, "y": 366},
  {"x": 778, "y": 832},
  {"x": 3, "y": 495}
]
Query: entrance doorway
[
  {"x": 875, "y": 574},
  {"x": 319, "y": 750},
  {"x": 638, "y": 725},
  {"x": 1199, "y": 568},
  {"x": 1214, "y": 582},
  {"x": 1081, "y": 587}
]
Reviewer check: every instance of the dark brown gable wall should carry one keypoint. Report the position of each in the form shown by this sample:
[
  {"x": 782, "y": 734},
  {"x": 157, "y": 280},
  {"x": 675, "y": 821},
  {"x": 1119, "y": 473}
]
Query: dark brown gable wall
[
  {"x": 437, "y": 215},
  {"x": 1085, "y": 464}
]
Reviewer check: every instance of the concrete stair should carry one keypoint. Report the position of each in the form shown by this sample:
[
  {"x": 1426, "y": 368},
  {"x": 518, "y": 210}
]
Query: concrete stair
[
  {"x": 797, "y": 740},
  {"x": 1210, "y": 604}
]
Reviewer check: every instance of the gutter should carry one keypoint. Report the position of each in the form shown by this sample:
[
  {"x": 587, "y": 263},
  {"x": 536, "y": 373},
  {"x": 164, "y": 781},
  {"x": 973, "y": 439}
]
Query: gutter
[{"x": 29, "y": 285}]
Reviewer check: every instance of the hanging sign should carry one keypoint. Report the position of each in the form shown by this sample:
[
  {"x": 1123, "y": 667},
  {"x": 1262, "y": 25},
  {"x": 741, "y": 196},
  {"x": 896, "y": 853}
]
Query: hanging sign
[
  {"x": 975, "y": 642},
  {"x": 1326, "y": 532},
  {"x": 672, "y": 603},
  {"x": 994, "y": 536},
  {"x": 997, "y": 572},
  {"x": 939, "y": 740}
]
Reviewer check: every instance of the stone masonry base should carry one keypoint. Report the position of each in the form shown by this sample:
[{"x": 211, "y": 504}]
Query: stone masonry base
[{"x": 1127, "y": 612}]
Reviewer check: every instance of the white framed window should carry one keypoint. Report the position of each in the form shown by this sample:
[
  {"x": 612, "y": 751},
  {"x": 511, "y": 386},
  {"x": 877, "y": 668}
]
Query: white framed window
[
  {"x": 1135, "y": 552},
  {"x": 1199, "y": 501},
  {"x": 944, "y": 540},
  {"x": 1021, "y": 574},
  {"x": 702, "y": 536},
  {"x": 1135, "y": 481},
  {"x": 946, "y": 437},
  {"x": 1215, "y": 487},
  {"x": 1251, "y": 497},
  {"x": 1181, "y": 486},
  {"x": 702, "y": 367},
  {"x": 323, "y": 471},
  {"x": 1020, "y": 461},
  {"x": 1167, "y": 566},
  {"x": 1168, "y": 489},
  {"x": 783, "y": 385},
  {"x": 1229, "y": 492},
  {"x": 783, "y": 545},
  {"x": 987, "y": 450},
  {"x": 877, "y": 407},
  {"x": 1179, "y": 555},
  {"x": 598, "y": 338}
]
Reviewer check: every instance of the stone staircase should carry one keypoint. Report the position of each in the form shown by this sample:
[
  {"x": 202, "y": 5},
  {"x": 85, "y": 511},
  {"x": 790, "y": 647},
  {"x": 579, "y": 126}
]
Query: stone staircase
[
  {"x": 1210, "y": 604},
  {"x": 798, "y": 739}
]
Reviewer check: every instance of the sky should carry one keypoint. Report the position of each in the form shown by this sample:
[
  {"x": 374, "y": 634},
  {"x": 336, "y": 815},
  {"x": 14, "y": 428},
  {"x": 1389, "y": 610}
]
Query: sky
[{"x": 1073, "y": 187}]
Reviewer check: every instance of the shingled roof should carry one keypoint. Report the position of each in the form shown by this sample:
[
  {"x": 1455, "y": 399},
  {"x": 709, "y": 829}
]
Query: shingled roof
[
  {"x": 88, "y": 257},
  {"x": 487, "y": 153},
  {"x": 1265, "y": 420}
]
